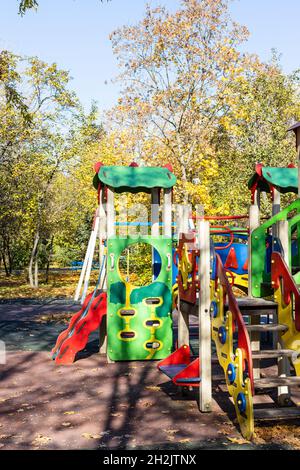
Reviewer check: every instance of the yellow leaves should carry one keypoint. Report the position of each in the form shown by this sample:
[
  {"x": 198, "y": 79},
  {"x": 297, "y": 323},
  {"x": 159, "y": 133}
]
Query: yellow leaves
[
  {"x": 238, "y": 441},
  {"x": 153, "y": 388}
]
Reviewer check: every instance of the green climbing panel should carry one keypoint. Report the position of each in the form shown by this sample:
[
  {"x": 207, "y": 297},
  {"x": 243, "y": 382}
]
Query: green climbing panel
[
  {"x": 139, "y": 319},
  {"x": 261, "y": 276}
]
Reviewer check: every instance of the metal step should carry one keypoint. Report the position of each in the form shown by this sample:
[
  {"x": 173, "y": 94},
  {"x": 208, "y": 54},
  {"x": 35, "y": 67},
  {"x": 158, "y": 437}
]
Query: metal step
[
  {"x": 274, "y": 353},
  {"x": 271, "y": 327},
  {"x": 251, "y": 306},
  {"x": 274, "y": 382},
  {"x": 276, "y": 413}
]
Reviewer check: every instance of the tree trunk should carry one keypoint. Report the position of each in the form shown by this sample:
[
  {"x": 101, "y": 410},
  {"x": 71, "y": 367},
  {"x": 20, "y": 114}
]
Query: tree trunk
[
  {"x": 5, "y": 265},
  {"x": 33, "y": 256},
  {"x": 36, "y": 272},
  {"x": 49, "y": 259}
]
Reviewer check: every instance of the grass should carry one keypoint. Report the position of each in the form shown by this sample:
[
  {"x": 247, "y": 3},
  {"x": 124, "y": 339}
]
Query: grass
[{"x": 62, "y": 284}]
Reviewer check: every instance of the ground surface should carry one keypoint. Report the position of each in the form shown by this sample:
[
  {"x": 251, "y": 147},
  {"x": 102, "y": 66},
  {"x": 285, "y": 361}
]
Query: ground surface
[{"x": 92, "y": 405}]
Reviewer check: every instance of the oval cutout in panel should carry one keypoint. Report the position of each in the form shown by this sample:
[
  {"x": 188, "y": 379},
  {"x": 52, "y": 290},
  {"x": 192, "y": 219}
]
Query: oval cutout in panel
[
  {"x": 153, "y": 323},
  {"x": 127, "y": 313},
  {"x": 154, "y": 345},
  {"x": 127, "y": 335},
  {"x": 152, "y": 301}
]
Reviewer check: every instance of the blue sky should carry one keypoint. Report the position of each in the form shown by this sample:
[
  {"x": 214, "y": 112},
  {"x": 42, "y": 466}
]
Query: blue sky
[{"x": 74, "y": 33}]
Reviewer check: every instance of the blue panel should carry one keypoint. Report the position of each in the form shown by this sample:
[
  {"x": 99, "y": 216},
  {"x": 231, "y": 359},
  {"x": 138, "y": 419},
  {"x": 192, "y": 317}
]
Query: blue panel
[{"x": 241, "y": 251}]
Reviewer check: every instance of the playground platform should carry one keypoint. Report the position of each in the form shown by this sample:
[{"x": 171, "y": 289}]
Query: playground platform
[{"x": 92, "y": 405}]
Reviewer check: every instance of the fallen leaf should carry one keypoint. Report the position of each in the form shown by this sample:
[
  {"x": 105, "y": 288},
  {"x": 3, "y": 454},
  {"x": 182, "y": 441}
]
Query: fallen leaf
[
  {"x": 239, "y": 441},
  {"x": 86, "y": 435},
  {"x": 69, "y": 412},
  {"x": 171, "y": 431},
  {"x": 146, "y": 404},
  {"x": 115, "y": 415},
  {"x": 41, "y": 440},
  {"x": 184, "y": 441},
  {"x": 153, "y": 388},
  {"x": 66, "y": 424}
]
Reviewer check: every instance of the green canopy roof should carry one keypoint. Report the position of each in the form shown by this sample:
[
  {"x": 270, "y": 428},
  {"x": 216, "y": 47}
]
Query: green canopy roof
[
  {"x": 283, "y": 179},
  {"x": 135, "y": 179}
]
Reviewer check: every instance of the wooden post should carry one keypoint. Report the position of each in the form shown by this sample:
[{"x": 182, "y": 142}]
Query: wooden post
[
  {"x": 111, "y": 223},
  {"x": 205, "y": 389},
  {"x": 103, "y": 280},
  {"x": 167, "y": 213},
  {"x": 183, "y": 316},
  {"x": 110, "y": 213},
  {"x": 254, "y": 221},
  {"x": 155, "y": 231},
  {"x": 275, "y": 210},
  {"x": 254, "y": 336},
  {"x": 257, "y": 197},
  {"x": 284, "y": 369}
]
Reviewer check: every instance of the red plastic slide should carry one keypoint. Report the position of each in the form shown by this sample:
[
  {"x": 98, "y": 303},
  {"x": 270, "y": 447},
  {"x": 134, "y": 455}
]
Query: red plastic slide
[{"x": 75, "y": 337}]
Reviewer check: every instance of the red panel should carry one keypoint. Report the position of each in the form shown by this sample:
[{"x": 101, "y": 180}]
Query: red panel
[
  {"x": 180, "y": 356},
  {"x": 243, "y": 337},
  {"x": 191, "y": 372},
  {"x": 81, "y": 328},
  {"x": 281, "y": 274},
  {"x": 72, "y": 323},
  {"x": 231, "y": 261}
]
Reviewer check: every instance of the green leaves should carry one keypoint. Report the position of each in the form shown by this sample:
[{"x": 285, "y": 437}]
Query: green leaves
[{"x": 25, "y": 5}]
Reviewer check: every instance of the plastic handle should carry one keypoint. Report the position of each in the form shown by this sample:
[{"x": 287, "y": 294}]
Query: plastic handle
[
  {"x": 112, "y": 261},
  {"x": 169, "y": 261}
]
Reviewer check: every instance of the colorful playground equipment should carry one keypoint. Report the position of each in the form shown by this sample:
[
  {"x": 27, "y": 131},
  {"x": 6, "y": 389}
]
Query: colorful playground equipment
[
  {"x": 138, "y": 323},
  {"x": 197, "y": 263}
]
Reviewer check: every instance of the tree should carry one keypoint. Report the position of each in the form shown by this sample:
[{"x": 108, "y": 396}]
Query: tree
[
  {"x": 177, "y": 69},
  {"x": 25, "y": 5},
  {"x": 32, "y": 153},
  {"x": 262, "y": 104}
]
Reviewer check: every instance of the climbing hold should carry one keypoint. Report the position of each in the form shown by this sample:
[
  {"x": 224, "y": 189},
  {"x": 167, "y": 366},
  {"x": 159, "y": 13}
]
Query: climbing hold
[
  {"x": 242, "y": 402},
  {"x": 153, "y": 323},
  {"x": 154, "y": 345},
  {"x": 127, "y": 334},
  {"x": 231, "y": 373},
  {"x": 214, "y": 309},
  {"x": 222, "y": 335}
]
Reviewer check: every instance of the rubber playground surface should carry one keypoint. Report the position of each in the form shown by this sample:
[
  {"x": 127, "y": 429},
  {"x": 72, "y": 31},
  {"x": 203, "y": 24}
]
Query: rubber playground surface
[{"x": 94, "y": 405}]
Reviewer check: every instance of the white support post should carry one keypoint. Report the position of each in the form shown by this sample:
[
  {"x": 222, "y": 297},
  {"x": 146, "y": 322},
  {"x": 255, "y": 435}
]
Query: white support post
[
  {"x": 284, "y": 369},
  {"x": 167, "y": 213},
  {"x": 257, "y": 198},
  {"x": 111, "y": 224},
  {"x": 91, "y": 257},
  {"x": 83, "y": 270},
  {"x": 103, "y": 280},
  {"x": 275, "y": 210},
  {"x": 254, "y": 222},
  {"x": 110, "y": 213},
  {"x": 183, "y": 316},
  {"x": 155, "y": 231},
  {"x": 205, "y": 389}
]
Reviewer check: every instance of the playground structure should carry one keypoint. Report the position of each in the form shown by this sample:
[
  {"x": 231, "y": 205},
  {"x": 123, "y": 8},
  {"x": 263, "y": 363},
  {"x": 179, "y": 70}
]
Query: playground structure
[{"x": 136, "y": 321}]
